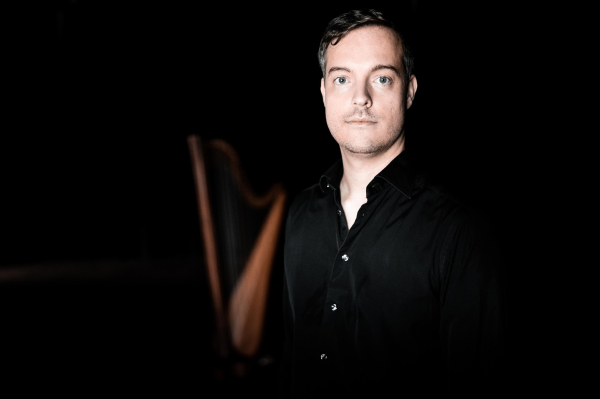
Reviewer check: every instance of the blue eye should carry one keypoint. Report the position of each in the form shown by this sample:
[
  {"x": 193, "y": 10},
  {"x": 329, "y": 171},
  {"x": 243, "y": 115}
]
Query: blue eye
[
  {"x": 340, "y": 80},
  {"x": 383, "y": 80}
]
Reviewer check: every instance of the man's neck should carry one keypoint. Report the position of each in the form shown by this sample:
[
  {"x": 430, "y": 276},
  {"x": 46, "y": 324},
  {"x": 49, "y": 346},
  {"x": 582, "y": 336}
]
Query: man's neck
[{"x": 360, "y": 169}]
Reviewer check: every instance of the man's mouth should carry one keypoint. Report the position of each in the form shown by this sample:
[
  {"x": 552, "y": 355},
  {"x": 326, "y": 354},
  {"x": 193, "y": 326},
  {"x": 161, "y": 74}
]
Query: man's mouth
[{"x": 361, "y": 122}]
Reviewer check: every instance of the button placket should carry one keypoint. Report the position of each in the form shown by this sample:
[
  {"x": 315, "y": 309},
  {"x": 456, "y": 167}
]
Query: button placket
[{"x": 326, "y": 339}]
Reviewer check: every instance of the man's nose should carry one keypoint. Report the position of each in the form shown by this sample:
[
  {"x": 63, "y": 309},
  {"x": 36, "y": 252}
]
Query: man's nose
[{"x": 362, "y": 97}]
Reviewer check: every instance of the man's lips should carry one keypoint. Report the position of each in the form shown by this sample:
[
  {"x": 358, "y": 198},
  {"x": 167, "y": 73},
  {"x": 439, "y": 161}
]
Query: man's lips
[{"x": 361, "y": 122}]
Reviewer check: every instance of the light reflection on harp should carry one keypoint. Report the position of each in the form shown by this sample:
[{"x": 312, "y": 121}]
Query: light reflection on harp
[{"x": 240, "y": 231}]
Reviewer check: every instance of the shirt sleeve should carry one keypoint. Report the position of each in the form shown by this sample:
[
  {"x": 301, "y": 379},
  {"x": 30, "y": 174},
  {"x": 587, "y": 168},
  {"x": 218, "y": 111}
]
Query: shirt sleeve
[
  {"x": 472, "y": 325},
  {"x": 286, "y": 366},
  {"x": 285, "y": 371}
]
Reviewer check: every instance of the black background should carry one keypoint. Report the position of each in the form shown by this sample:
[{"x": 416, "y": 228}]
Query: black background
[{"x": 102, "y": 275}]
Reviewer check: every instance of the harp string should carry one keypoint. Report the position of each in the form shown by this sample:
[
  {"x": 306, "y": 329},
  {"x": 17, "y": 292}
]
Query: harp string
[{"x": 238, "y": 222}]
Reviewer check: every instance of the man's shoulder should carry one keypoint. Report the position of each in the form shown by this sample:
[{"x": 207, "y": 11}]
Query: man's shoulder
[
  {"x": 416, "y": 180},
  {"x": 438, "y": 193},
  {"x": 462, "y": 212},
  {"x": 306, "y": 210},
  {"x": 305, "y": 197}
]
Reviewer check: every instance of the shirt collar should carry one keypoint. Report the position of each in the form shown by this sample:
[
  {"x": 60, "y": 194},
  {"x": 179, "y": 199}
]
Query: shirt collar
[
  {"x": 333, "y": 176},
  {"x": 398, "y": 173}
]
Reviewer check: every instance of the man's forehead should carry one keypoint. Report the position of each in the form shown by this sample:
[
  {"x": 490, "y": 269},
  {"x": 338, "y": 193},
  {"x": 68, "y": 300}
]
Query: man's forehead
[
  {"x": 369, "y": 35},
  {"x": 366, "y": 47}
]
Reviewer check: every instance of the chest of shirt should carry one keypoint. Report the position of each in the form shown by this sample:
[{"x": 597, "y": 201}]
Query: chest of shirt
[{"x": 389, "y": 260}]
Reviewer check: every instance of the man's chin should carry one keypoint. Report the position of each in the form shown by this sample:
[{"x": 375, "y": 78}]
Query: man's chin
[{"x": 366, "y": 149}]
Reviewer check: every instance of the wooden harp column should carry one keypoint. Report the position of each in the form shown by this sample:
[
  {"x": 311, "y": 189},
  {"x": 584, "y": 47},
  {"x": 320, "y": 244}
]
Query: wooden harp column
[{"x": 240, "y": 231}]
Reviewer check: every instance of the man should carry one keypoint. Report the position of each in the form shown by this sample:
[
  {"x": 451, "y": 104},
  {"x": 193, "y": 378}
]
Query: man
[{"x": 390, "y": 284}]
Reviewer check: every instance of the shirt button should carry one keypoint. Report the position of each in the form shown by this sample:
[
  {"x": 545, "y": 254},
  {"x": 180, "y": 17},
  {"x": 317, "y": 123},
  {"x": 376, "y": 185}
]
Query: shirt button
[
  {"x": 345, "y": 257},
  {"x": 339, "y": 212},
  {"x": 323, "y": 356},
  {"x": 334, "y": 307}
]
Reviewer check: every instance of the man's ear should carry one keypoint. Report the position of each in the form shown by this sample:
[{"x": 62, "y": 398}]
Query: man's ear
[
  {"x": 323, "y": 90},
  {"x": 411, "y": 90}
]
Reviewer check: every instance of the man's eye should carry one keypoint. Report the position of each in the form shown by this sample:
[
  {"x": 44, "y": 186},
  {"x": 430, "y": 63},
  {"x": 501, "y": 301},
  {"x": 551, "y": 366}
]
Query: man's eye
[
  {"x": 383, "y": 80},
  {"x": 340, "y": 80}
]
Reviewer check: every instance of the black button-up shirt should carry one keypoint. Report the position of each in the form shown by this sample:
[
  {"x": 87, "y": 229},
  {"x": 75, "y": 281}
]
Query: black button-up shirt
[{"x": 409, "y": 299}]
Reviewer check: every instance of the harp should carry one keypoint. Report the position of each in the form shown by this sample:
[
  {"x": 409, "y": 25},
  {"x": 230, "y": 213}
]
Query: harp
[{"x": 240, "y": 231}]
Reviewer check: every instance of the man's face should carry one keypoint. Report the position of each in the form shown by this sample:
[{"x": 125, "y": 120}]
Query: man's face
[{"x": 363, "y": 92}]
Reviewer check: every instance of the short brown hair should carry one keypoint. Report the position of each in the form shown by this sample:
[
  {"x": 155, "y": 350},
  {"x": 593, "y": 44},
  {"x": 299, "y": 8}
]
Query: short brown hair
[{"x": 351, "y": 20}]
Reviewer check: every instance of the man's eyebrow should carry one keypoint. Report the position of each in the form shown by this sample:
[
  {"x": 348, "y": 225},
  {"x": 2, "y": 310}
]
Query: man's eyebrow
[
  {"x": 375, "y": 68},
  {"x": 334, "y": 69},
  {"x": 380, "y": 67}
]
